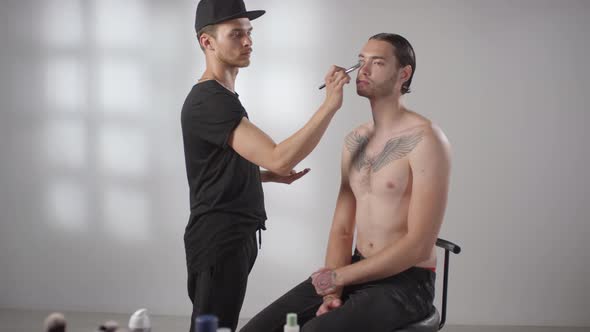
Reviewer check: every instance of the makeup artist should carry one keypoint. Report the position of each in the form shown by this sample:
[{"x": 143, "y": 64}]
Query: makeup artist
[{"x": 223, "y": 152}]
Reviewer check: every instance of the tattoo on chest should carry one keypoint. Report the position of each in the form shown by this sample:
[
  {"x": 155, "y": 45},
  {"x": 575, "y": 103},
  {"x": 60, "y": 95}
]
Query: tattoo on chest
[{"x": 396, "y": 148}]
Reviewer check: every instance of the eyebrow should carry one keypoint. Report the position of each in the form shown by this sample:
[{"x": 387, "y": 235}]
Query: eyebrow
[
  {"x": 240, "y": 29},
  {"x": 372, "y": 57}
]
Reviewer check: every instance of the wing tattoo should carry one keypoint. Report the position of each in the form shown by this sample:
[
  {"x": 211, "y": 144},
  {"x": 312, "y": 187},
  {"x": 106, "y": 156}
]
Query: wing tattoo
[
  {"x": 357, "y": 145},
  {"x": 396, "y": 148}
]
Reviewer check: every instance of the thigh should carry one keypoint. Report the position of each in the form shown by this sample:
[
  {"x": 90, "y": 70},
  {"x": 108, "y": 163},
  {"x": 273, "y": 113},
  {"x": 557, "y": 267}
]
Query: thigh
[
  {"x": 302, "y": 300},
  {"x": 370, "y": 308},
  {"x": 220, "y": 289}
]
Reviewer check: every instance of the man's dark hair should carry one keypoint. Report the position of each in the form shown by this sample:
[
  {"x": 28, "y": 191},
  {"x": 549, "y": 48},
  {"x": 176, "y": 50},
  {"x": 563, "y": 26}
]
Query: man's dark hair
[
  {"x": 404, "y": 53},
  {"x": 208, "y": 29}
]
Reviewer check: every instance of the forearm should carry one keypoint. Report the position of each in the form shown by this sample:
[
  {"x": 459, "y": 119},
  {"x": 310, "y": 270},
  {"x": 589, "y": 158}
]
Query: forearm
[
  {"x": 294, "y": 149},
  {"x": 338, "y": 253},
  {"x": 339, "y": 249},
  {"x": 402, "y": 255}
]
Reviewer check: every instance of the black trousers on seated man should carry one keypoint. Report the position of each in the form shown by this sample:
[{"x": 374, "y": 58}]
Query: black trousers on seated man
[{"x": 377, "y": 306}]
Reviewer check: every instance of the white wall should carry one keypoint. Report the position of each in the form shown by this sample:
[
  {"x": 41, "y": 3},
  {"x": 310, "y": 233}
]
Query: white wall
[{"x": 94, "y": 201}]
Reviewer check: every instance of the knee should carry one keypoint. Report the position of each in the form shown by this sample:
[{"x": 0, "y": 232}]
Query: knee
[
  {"x": 316, "y": 325},
  {"x": 248, "y": 328}
]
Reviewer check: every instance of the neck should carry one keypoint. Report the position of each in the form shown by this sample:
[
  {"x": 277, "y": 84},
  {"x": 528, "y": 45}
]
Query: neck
[
  {"x": 221, "y": 72},
  {"x": 387, "y": 112}
]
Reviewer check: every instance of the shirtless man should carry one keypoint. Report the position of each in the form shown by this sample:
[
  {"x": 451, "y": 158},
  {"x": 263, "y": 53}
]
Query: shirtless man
[{"x": 394, "y": 185}]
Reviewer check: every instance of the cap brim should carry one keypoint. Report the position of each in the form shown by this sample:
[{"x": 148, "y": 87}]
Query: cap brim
[{"x": 251, "y": 15}]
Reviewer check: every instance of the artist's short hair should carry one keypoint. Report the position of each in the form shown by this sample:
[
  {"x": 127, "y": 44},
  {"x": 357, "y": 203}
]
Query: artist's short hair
[{"x": 211, "y": 30}]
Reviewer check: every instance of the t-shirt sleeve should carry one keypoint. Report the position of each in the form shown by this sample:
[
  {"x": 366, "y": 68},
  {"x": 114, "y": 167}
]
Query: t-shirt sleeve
[{"x": 216, "y": 118}]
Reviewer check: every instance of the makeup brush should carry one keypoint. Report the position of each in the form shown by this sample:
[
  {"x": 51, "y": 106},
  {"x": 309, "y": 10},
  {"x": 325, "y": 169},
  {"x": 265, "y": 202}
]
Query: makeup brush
[{"x": 353, "y": 68}]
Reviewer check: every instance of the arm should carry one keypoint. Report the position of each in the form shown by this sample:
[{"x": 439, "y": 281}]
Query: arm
[
  {"x": 256, "y": 146},
  {"x": 430, "y": 165},
  {"x": 343, "y": 223},
  {"x": 341, "y": 234}
]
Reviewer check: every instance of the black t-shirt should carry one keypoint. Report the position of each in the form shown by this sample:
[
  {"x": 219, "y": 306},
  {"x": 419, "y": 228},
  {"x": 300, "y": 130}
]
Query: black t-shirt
[{"x": 226, "y": 198}]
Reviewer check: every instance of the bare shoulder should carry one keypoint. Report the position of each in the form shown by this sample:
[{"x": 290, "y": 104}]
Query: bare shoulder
[
  {"x": 430, "y": 162},
  {"x": 430, "y": 133},
  {"x": 433, "y": 146},
  {"x": 364, "y": 129},
  {"x": 357, "y": 137}
]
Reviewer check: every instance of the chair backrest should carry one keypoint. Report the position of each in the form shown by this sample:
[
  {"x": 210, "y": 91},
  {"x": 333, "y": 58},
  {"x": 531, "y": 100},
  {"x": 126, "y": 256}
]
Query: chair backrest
[{"x": 455, "y": 249}]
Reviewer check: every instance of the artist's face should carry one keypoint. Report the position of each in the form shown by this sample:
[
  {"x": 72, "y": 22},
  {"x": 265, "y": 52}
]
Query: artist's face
[
  {"x": 379, "y": 74},
  {"x": 233, "y": 43}
]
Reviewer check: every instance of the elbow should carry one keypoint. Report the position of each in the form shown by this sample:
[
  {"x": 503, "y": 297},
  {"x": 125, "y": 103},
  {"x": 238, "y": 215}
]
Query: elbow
[
  {"x": 342, "y": 237},
  {"x": 284, "y": 170},
  {"x": 419, "y": 250},
  {"x": 423, "y": 252},
  {"x": 342, "y": 233},
  {"x": 424, "y": 255},
  {"x": 280, "y": 168},
  {"x": 279, "y": 165}
]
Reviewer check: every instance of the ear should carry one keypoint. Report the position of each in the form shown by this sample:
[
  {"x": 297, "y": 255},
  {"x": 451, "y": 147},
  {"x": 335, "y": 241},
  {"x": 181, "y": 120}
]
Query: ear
[
  {"x": 207, "y": 42},
  {"x": 405, "y": 73}
]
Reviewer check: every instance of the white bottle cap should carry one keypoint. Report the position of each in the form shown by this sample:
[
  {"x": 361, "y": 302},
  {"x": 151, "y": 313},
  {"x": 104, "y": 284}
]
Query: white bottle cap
[
  {"x": 224, "y": 329},
  {"x": 140, "y": 320}
]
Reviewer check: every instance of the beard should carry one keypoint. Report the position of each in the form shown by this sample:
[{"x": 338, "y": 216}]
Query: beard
[
  {"x": 382, "y": 89},
  {"x": 364, "y": 92}
]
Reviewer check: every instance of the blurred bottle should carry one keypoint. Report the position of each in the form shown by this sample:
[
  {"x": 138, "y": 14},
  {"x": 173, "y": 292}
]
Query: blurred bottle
[
  {"x": 206, "y": 323},
  {"x": 291, "y": 325},
  {"x": 140, "y": 321},
  {"x": 55, "y": 322}
]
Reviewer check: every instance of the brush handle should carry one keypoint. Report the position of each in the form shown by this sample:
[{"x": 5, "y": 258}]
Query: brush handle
[{"x": 355, "y": 67}]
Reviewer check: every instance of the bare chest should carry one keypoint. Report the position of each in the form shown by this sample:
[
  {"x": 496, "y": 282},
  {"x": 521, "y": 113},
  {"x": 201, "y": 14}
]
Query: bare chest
[
  {"x": 387, "y": 180},
  {"x": 380, "y": 166}
]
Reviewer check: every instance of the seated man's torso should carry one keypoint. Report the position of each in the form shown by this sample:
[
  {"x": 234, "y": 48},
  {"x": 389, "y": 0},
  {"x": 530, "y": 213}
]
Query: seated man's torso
[{"x": 380, "y": 177}]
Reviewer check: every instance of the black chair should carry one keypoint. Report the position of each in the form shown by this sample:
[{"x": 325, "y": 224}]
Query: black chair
[{"x": 435, "y": 321}]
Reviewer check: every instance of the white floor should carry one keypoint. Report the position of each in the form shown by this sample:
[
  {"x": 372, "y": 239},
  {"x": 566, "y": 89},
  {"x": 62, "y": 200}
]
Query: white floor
[{"x": 32, "y": 321}]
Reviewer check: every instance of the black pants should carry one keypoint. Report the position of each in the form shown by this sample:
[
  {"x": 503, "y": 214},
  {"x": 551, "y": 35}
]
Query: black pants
[
  {"x": 219, "y": 289},
  {"x": 378, "y": 306}
]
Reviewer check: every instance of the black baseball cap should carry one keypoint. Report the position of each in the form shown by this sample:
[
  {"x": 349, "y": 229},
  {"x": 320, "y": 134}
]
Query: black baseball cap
[{"x": 216, "y": 11}]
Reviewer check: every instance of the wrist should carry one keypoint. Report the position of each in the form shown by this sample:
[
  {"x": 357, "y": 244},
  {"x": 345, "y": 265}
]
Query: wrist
[
  {"x": 339, "y": 280},
  {"x": 336, "y": 295},
  {"x": 328, "y": 107},
  {"x": 332, "y": 296},
  {"x": 265, "y": 176}
]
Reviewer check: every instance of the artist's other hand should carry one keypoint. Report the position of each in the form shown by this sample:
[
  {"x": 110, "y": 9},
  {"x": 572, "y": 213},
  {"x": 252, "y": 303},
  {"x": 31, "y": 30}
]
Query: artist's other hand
[{"x": 267, "y": 176}]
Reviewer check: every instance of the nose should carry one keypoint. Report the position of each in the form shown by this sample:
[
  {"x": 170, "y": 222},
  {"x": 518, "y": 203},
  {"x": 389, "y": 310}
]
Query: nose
[
  {"x": 247, "y": 41},
  {"x": 365, "y": 68}
]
